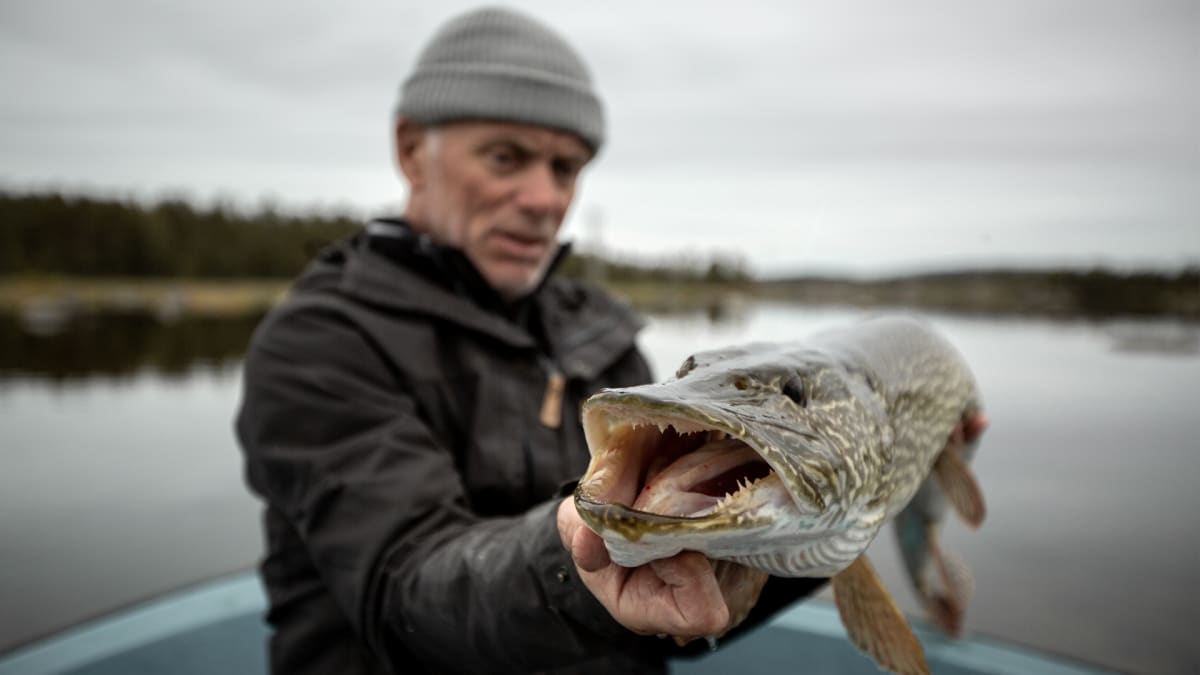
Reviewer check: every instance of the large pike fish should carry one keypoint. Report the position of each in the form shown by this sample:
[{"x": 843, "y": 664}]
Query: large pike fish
[{"x": 787, "y": 459}]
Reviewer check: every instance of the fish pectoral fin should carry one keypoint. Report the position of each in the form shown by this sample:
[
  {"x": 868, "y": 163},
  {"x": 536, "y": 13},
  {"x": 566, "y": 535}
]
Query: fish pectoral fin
[
  {"x": 947, "y": 608},
  {"x": 960, "y": 486},
  {"x": 874, "y": 622}
]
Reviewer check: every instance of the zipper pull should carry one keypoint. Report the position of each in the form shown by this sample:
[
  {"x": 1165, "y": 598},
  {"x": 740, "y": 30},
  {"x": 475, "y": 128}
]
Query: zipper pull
[{"x": 551, "y": 415}]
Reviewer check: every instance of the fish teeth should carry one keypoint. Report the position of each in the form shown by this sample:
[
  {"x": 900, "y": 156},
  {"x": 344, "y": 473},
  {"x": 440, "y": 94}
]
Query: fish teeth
[{"x": 723, "y": 501}]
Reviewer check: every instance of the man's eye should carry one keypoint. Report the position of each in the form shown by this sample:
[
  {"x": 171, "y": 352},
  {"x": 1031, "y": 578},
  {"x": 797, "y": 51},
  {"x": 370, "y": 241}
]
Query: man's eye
[
  {"x": 502, "y": 159},
  {"x": 565, "y": 171}
]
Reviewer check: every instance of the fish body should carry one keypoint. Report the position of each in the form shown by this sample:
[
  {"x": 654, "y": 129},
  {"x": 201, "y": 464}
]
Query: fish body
[{"x": 788, "y": 458}]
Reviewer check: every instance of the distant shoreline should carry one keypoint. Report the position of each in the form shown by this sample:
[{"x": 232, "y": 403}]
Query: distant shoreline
[
  {"x": 44, "y": 304},
  {"x": 1050, "y": 293},
  {"x": 1096, "y": 292}
]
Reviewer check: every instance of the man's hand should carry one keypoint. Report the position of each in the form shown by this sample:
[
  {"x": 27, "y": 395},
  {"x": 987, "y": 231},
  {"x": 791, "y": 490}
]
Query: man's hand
[
  {"x": 674, "y": 596},
  {"x": 970, "y": 429}
]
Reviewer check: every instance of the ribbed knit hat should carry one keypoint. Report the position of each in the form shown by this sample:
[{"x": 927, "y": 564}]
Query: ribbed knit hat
[{"x": 496, "y": 64}]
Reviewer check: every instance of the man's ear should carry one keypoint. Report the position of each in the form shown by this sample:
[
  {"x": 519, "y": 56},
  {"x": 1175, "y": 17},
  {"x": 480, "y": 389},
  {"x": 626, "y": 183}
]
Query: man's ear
[{"x": 411, "y": 147}]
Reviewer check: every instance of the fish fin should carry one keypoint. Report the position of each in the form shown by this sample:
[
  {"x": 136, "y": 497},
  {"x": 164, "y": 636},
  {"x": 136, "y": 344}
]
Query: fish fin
[
  {"x": 947, "y": 608},
  {"x": 960, "y": 486},
  {"x": 874, "y": 622}
]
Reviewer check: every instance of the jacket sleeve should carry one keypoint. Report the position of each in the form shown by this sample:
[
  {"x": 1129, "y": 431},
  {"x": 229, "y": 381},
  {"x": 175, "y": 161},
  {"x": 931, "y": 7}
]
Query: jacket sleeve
[{"x": 334, "y": 443}]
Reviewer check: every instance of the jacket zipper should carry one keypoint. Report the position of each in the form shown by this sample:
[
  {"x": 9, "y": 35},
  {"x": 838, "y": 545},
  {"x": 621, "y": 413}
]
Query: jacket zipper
[{"x": 552, "y": 400}]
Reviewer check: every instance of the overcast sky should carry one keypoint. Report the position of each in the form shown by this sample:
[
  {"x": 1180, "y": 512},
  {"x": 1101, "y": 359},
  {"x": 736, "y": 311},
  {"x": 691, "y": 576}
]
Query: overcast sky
[{"x": 857, "y": 135}]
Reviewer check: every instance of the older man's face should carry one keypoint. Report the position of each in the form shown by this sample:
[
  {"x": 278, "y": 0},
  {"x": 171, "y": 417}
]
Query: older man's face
[{"x": 497, "y": 191}]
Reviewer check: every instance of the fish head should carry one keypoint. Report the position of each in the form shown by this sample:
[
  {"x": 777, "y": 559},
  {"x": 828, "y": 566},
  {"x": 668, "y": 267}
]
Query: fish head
[{"x": 746, "y": 451}]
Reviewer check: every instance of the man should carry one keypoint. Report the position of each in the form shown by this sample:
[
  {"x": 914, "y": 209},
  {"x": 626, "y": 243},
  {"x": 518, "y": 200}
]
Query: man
[{"x": 410, "y": 413}]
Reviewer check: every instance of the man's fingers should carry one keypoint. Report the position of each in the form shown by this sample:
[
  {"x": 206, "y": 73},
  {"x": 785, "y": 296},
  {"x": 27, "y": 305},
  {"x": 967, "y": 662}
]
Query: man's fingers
[
  {"x": 588, "y": 550},
  {"x": 568, "y": 521},
  {"x": 975, "y": 425},
  {"x": 967, "y": 430},
  {"x": 676, "y": 596},
  {"x": 685, "y": 569},
  {"x": 695, "y": 593},
  {"x": 586, "y": 547}
]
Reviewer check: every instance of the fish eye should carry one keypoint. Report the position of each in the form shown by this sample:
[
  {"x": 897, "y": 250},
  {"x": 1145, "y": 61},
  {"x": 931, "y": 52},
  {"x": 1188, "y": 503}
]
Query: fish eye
[
  {"x": 794, "y": 389},
  {"x": 688, "y": 366}
]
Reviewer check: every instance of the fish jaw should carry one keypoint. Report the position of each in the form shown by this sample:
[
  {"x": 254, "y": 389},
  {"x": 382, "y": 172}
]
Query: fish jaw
[
  {"x": 667, "y": 476},
  {"x": 645, "y": 427},
  {"x": 643, "y": 519}
]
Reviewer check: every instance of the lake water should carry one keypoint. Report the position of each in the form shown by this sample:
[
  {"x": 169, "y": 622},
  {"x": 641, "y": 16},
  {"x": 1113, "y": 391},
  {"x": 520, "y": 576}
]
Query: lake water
[{"x": 122, "y": 481}]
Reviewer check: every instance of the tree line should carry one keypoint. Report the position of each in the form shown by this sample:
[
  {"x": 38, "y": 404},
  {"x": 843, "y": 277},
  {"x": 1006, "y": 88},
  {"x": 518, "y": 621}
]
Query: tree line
[
  {"x": 75, "y": 235},
  {"x": 1080, "y": 292},
  {"x": 85, "y": 236}
]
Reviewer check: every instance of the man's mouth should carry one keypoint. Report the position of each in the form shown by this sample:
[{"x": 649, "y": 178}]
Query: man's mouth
[{"x": 520, "y": 246}]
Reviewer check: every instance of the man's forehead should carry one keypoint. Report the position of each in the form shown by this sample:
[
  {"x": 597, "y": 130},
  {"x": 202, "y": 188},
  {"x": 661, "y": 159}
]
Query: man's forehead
[{"x": 528, "y": 136}]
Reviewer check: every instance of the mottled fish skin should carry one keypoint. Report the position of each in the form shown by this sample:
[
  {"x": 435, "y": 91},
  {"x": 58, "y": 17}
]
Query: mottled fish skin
[{"x": 850, "y": 422}]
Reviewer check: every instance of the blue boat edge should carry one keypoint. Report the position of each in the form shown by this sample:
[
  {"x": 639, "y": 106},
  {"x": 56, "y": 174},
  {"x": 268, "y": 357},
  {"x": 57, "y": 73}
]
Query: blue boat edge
[{"x": 217, "y": 627}]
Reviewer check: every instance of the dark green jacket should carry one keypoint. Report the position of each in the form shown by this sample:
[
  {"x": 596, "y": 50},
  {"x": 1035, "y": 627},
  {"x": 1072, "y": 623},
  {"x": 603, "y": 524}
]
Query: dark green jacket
[{"x": 391, "y": 424}]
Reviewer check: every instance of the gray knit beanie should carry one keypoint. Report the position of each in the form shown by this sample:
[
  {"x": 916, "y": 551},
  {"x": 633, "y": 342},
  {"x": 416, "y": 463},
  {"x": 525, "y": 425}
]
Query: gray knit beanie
[{"x": 495, "y": 64}]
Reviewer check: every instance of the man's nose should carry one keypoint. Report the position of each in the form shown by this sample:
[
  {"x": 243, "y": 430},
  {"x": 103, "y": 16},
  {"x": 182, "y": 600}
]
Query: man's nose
[{"x": 541, "y": 192}]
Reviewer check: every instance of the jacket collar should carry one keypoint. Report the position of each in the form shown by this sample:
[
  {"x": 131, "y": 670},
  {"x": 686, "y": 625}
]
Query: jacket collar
[
  {"x": 585, "y": 330},
  {"x": 369, "y": 276},
  {"x": 397, "y": 240}
]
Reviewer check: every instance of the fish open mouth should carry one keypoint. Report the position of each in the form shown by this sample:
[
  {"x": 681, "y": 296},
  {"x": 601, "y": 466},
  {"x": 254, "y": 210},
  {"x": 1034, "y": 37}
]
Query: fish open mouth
[{"x": 669, "y": 468}]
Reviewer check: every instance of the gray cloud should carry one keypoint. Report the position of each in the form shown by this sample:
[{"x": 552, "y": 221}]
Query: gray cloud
[{"x": 293, "y": 99}]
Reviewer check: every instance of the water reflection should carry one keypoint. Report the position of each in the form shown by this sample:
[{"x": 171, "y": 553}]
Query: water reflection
[
  {"x": 81, "y": 345},
  {"x": 718, "y": 309},
  {"x": 124, "y": 343},
  {"x": 121, "y": 344},
  {"x": 1164, "y": 337}
]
